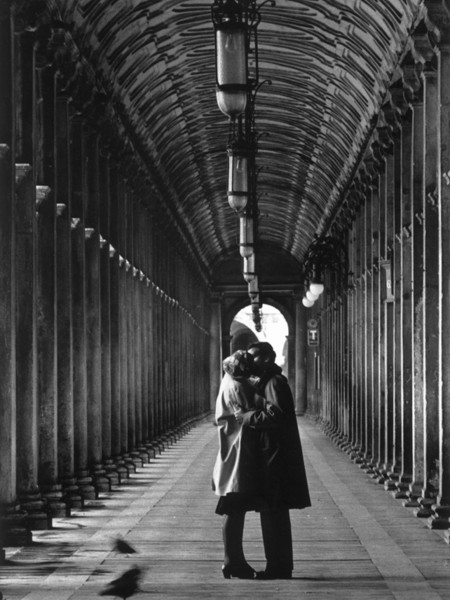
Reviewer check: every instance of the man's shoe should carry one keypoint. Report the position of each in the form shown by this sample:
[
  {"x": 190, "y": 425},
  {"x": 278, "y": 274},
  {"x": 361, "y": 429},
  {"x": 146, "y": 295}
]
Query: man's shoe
[{"x": 274, "y": 574}]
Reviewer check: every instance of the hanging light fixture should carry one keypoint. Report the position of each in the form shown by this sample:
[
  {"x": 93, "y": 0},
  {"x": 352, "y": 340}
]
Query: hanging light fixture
[
  {"x": 312, "y": 297},
  {"x": 238, "y": 163},
  {"x": 326, "y": 254},
  {"x": 316, "y": 288},
  {"x": 249, "y": 269},
  {"x": 246, "y": 235},
  {"x": 307, "y": 303},
  {"x": 230, "y": 20},
  {"x": 253, "y": 285}
]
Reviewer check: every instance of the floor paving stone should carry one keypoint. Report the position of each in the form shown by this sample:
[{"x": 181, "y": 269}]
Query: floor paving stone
[{"x": 355, "y": 543}]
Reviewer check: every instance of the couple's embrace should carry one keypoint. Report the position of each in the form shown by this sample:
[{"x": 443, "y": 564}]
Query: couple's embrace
[{"x": 260, "y": 462}]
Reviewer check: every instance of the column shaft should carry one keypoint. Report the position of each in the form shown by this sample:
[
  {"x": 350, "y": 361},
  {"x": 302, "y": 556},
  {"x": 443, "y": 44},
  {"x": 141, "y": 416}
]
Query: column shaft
[
  {"x": 430, "y": 285},
  {"x": 300, "y": 355},
  {"x": 215, "y": 347},
  {"x": 417, "y": 305}
]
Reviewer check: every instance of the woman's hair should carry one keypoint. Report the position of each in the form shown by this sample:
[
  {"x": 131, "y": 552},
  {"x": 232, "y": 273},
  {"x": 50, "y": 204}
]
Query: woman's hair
[
  {"x": 265, "y": 349},
  {"x": 238, "y": 364}
]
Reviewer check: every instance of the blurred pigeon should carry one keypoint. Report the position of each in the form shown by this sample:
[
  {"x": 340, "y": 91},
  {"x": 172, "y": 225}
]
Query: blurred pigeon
[
  {"x": 124, "y": 586},
  {"x": 123, "y": 547}
]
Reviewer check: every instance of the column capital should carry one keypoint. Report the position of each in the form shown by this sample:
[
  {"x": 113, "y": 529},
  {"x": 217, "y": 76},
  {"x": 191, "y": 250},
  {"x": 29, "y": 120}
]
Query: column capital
[
  {"x": 438, "y": 19},
  {"x": 424, "y": 42},
  {"x": 215, "y": 296}
]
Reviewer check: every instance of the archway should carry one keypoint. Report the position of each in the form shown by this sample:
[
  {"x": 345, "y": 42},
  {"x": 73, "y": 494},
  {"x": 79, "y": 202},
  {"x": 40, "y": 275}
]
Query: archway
[{"x": 275, "y": 330}]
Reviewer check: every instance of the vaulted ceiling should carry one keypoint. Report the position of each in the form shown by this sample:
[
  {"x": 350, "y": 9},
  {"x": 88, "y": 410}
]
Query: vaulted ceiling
[{"x": 329, "y": 63}]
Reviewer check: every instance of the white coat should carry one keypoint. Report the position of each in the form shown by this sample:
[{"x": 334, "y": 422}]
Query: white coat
[{"x": 236, "y": 466}]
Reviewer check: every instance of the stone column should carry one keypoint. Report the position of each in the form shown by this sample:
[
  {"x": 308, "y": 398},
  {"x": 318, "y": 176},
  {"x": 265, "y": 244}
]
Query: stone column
[
  {"x": 26, "y": 349},
  {"x": 79, "y": 199},
  {"x": 351, "y": 307},
  {"x": 301, "y": 400},
  {"x": 377, "y": 328},
  {"x": 94, "y": 361},
  {"x": 64, "y": 361},
  {"x": 431, "y": 300},
  {"x": 389, "y": 323},
  {"x": 115, "y": 221},
  {"x": 123, "y": 336},
  {"x": 382, "y": 341},
  {"x": 11, "y": 520},
  {"x": 145, "y": 359},
  {"x": 441, "y": 511},
  {"x": 8, "y": 492},
  {"x": 137, "y": 334},
  {"x": 51, "y": 489},
  {"x": 150, "y": 360},
  {"x": 131, "y": 360},
  {"x": 46, "y": 173},
  {"x": 153, "y": 379},
  {"x": 418, "y": 147},
  {"x": 396, "y": 183},
  {"x": 359, "y": 315},
  {"x": 368, "y": 327},
  {"x": 405, "y": 292},
  {"x": 116, "y": 396},
  {"x": 215, "y": 347},
  {"x": 106, "y": 387}
]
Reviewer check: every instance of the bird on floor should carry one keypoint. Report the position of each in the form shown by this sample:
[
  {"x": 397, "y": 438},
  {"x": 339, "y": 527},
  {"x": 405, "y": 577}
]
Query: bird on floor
[
  {"x": 123, "y": 547},
  {"x": 124, "y": 586}
]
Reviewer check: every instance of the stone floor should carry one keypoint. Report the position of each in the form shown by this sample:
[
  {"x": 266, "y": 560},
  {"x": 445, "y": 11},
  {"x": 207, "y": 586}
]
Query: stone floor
[{"x": 355, "y": 542}]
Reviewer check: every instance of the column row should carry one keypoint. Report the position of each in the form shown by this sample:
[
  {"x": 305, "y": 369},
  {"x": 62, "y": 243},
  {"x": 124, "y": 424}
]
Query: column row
[
  {"x": 384, "y": 381},
  {"x": 103, "y": 343}
]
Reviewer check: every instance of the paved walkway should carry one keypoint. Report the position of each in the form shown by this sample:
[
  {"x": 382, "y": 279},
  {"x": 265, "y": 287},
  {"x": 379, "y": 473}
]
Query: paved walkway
[{"x": 355, "y": 543}]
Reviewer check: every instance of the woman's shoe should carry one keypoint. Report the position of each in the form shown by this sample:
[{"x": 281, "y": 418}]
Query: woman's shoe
[{"x": 240, "y": 571}]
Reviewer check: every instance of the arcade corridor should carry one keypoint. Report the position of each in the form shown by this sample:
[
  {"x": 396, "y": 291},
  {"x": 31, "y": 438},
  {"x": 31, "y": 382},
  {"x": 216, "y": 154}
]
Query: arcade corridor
[
  {"x": 355, "y": 543},
  {"x": 164, "y": 164}
]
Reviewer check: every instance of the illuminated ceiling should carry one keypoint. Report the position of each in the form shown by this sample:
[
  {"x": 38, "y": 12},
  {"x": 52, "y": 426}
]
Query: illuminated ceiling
[{"x": 329, "y": 62}]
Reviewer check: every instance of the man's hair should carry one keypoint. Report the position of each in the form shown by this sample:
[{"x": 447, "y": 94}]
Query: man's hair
[{"x": 265, "y": 349}]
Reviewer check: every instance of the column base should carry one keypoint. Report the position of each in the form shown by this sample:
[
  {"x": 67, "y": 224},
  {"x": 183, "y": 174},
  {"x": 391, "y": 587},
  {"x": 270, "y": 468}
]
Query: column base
[
  {"x": 71, "y": 495},
  {"x": 15, "y": 527},
  {"x": 129, "y": 464},
  {"x": 37, "y": 516},
  {"x": 136, "y": 459},
  {"x": 86, "y": 489},
  {"x": 144, "y": 454},
  {"x": 357, "y": 458},
  {"x": 52, "y": 495},
  {"x": 440, "y": 518},
  {"x": 411, "y": 503},
  {"x": 99, "y": 479},
  {"x": 111, "y": 472},
  {"x": 391, "y": 483},
  {"x": 424, "y": 511},
  {"x": 368, "y": 466},
  {"x": 121, "y": 469},
  {"x": 159, "y": 443},
  {"x": 402, "y": 492},
  {"x": 413, "y": 495},
  {"x": 156, "y": 448},
  {"x": 150, "y": 450}
]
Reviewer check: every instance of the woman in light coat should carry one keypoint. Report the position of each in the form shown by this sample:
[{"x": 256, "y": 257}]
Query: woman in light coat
[{"x": 236, "y": 471}]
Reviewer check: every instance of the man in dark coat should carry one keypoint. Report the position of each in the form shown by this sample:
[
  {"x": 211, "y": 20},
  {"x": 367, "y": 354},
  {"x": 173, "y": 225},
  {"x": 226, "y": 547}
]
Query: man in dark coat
[{"x": 282, "y": 468}]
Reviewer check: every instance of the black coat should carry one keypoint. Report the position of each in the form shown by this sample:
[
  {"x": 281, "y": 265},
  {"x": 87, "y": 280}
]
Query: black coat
[{"x": 282, "y": 469}]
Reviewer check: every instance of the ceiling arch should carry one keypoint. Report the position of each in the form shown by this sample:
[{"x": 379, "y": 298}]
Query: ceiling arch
[{"x": 329, "y": 64}]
